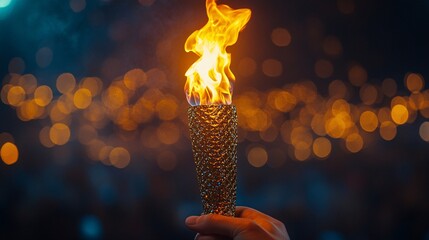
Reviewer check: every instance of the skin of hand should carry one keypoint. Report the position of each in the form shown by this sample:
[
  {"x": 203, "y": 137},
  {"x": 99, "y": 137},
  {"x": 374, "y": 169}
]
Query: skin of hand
[{"x": 248, "y": 224}]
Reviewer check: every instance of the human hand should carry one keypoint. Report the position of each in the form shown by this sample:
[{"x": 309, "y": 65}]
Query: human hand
[{"x": 249, "y": 224}]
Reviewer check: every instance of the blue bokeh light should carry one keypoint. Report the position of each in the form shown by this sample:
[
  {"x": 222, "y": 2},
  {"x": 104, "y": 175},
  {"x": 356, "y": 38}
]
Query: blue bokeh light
[
  {"x": 330, "y": 235},
  {"x": 5, "y": 3},
  {"x": 90, "y": 227}
]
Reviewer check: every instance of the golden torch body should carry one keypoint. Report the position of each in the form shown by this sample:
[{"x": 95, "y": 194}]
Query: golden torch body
[{"x": 213, "y": 130}]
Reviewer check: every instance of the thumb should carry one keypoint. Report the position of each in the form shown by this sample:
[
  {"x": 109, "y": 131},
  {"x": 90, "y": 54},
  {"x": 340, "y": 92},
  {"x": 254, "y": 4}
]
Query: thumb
[{"x": 217, "y": 224}]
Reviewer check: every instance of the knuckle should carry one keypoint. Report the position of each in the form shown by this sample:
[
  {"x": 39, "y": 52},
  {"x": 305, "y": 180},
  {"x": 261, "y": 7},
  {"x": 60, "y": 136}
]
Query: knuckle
[{"x": 253, "y": 226}]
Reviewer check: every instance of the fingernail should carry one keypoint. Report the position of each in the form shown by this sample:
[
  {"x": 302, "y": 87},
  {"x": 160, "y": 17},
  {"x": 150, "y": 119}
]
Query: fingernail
[{"x": 191, "y": 220}]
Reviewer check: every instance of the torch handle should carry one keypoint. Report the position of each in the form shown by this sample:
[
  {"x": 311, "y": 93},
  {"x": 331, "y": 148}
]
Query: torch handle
[{"x": 213, "y": 130}]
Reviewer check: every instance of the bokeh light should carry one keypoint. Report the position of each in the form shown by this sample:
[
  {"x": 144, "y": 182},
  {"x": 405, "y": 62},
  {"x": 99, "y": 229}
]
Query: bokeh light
[
  {"x": 399, "y": 114},
  {"x": 323, "y": 68},
  {"x": 82, "y": 98},
  {"x": 414, "y": 82},
  {"x": 9, "y": 153},
  {"x": 388, "y": 130},
  {"x": 15, "y": 96},
  {"x": 354, "y": 142},
  {"x": 119, "y": 157},
  {"x": 368, "y": 121},
  {"x": 272, "y": 68},
  {"x": 44, "y": 57},
  {"x": 424, "y": 131},
  {"x": 16, "y": 65},
  {"x": 77, "y": 5},
  {"x": 59, "y": 133},
  {"x": 281, "y": 37},
  {"x": 4, "y": 3},
  {"x": 357, "y": 75},
  {"x": 322, "y": 147},
  {"x": 43, "y": 95},
  {"x": 257, "y": 157},
  {"x": 66, "y": 83}
]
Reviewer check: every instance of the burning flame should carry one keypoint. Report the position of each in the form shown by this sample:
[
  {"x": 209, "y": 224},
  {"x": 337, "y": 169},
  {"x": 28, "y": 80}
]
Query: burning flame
[{"x": 208, "y": 79}]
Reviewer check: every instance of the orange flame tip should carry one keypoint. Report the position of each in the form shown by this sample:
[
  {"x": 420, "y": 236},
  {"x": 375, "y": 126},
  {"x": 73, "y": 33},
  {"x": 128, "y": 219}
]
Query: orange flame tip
[{"x": 209, "y": 79}]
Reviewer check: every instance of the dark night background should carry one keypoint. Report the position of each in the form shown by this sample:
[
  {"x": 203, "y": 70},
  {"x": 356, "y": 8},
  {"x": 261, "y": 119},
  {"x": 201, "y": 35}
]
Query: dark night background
[{"x": 60, "y": 192}]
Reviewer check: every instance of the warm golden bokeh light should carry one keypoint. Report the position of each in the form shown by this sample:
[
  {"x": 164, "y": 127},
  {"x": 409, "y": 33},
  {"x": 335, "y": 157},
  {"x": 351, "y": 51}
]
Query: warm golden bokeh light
[
  {"x": 414, "y": 82},
  {"x": 354, "y": 143},
  {"x": 272, "y": 68},
  {"x": 357, "y": 75},
  {"x": 66, "y": 83},
  {"x": 322, "y": 147},
  {"x": 43, "y": 95},
  {"x": 29, "y": 110},
  {"x": 44, "y": 137},
  {"x": 59, "y": 133},
  {"x": 28, "y": 82},
  {"x": 104, "y": 153},
  {"x": 114, "y": 98},
  {"x": 168, "y": 133},
  {"x": 388, "y": 130},
  {"x": 318, "y": 125},
  {"x": 143, "y": 110},
  {"x": 135, "y": 78},
  {"x": 82, "y": 98},
  {"x": 15, "y": 96},
  {"x": 384, "y": 115},
  {"x": 389, "y": 87},
  {"x": 399, "y": 114},
  {"x": 398, "y": 100},
  {"x": 270, "y": 134},
  {"x": 368, "y": 94},
  {"x": 335, "y": 127},
  {"x": 323, "y": 68},
  {"x": 368, "y": 121},
  {"x": 167, "y": 109},
  {"x": 340, "y": 106},
  {"x": 337, "y": 89},
  {"x": 302, "y": 154},
  {"x": 257, "y": 157},
  {"x": 93, "y": 84},
  {"x": 9, "y": 153},
  {"x": 4, "y": 91},
  {"x": 119, "y": 157},
  {"x": 282, "y": 101},
  {"x": 295, "y": 119},
  {"x": 281, "y": 37}
]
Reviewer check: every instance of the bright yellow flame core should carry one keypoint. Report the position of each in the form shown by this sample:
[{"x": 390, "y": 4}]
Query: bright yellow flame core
[{"x": 208, "y": 79}]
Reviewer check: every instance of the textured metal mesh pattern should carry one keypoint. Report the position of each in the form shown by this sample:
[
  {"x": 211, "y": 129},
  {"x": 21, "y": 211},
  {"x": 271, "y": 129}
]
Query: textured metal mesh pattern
[{"x": 213, "y": 130}]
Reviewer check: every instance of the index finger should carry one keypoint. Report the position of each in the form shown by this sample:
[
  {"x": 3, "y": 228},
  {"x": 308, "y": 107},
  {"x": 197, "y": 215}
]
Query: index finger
[{"x": 250, "y": 213}]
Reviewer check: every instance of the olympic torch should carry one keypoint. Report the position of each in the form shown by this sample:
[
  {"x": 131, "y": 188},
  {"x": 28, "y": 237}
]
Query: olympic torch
[{"x": 212, "y": 118}]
